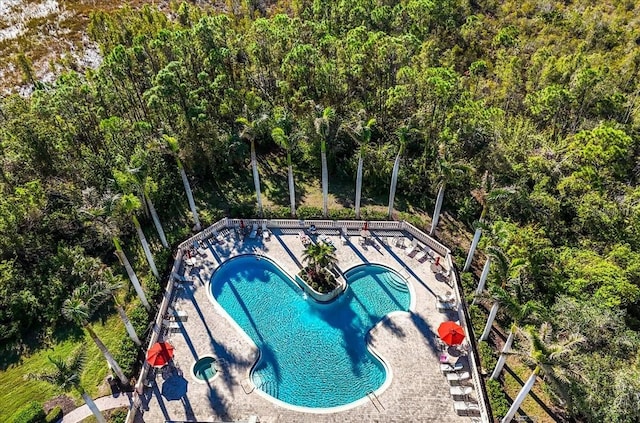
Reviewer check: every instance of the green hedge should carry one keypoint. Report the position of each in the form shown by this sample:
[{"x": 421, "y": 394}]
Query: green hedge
[
  {"x": 30, "y": 413},
  {"x": 497, "y": 399},
  {"x": 54, "y": 415},
  {"x": 487, "y": 359}
]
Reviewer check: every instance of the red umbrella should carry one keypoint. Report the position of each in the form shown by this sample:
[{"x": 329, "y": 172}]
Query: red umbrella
[
  {"x": 451, "y": 333},
  {"x": 366, "y": 226},
  {"x": 160, "y": 354},
  {"x": 242, "y": 223}
]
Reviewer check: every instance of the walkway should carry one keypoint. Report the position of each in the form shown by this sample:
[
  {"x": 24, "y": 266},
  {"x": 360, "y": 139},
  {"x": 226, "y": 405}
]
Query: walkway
[{"x": 104, "y": 403}]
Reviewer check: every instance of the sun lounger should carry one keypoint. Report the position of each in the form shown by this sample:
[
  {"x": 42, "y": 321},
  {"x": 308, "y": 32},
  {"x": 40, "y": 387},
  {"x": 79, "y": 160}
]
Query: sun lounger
[
  {"x": 343, "y": 239},
  {"x": 266, "y": 234},
  {"x": 460, "y": 391},
  {"x": 254, "y": 231},
  {"x": 218, "y": 237},
  {"x": 464, "y": 408},
  {"x": 172, "y": 325},
  {"x": 457, "y": 377},
  {"x": 448, "y": 367},
  {"x": 304, "y": 238},
  {"x": 425, "y": 252},
  {"x": 413, "y": 248},
  {"x": 325, "y": 240},
  {"x": 445, "y": 306}
]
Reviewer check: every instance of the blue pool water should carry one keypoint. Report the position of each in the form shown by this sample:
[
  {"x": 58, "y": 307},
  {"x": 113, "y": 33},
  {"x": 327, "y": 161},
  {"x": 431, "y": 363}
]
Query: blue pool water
[{"x": 312, "y": 354}]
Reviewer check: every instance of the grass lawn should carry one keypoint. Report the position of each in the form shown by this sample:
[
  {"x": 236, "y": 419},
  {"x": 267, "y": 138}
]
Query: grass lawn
[
  {"x": 530, "y": 406},
  {"x": 15, "y": 392}
]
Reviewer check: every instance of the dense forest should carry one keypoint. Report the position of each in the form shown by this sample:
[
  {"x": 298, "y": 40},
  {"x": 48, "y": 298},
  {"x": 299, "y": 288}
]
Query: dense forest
[{"x": 528, "y": 111}]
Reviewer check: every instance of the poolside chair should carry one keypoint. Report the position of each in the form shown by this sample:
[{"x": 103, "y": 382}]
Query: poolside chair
[
  {"x": 400, "y": 242},
  {"x": 425, "y": 252},
  {"x": 413, "y": 248},
  {"x": 266, "y": 234},
  {"x": 219, "y": 238},
  {"x": 464, "y": 408},
  {"x": 254, "y": 231},
  {"x": 445, "y": 306},
  {"x": 460, "y": 391},
  {"x": 455, "y": 378},
  {"x": 448, "y": 367}
]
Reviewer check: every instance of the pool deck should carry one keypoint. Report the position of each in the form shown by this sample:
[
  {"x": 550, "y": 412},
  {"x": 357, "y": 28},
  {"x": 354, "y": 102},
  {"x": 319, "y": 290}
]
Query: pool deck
[{"x": 418, "y": 392}]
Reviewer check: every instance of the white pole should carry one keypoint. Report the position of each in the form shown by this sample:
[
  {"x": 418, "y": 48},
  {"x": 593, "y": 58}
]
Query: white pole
[
  {"x": 521, "y": 396},
  {"x": 436, "y": 211},
  {"x": 472, "y": 250}
]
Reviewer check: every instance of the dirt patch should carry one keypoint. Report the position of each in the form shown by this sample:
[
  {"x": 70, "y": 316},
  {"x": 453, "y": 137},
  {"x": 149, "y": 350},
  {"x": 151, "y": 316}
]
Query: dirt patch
[{"x": 65, "y": 402}]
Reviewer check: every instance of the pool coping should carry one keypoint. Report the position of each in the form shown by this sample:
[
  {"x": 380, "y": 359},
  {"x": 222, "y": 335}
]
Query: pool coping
[{"x": 367, "y": 338}]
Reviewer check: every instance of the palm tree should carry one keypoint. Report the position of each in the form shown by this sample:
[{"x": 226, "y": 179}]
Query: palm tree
[
  {"x": 101, "y": 211},
  {"x": 319, "y": 256},
  {"x": 249, "y": 133},
  {"x": 519, "y": 313},
  {"x": 129, "y": 181},
  {"x": 174, "y": 147},
  {"x": 66, "y": 375},
  {"x": 548, "y": 358},
  {"x": 402, "y": 133},
  {"x": 79, "y": 308},
  {"x": 447, "y": 172},
  {"x": 361, "y": 134},
  {"x": 506, "y": 271},
  {"x": 128, "y": 205},
  {"x": 112, "y": 284},
  {"x": 323, "y": 129},
  {"x": 486, "y": 195},
  {"x": 288, "y": 142}
]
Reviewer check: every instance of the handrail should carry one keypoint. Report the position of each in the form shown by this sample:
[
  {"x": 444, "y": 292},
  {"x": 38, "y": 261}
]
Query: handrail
[{"x": 230, "y": 223}]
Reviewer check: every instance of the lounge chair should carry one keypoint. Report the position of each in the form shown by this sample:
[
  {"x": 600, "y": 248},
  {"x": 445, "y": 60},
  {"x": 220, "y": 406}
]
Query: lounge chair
[
  {"x": 362, "y": 240},
  {"x": 464, "y": 408},
  {"x": 448, "y": 367},
  {"x": 304, "y": 238},
  {"x": 172, "y": 325},
  {"x": 413, "y": 248},
  {"x": 266, "y": 234},
  {"x": 460, "y": 391},
  {"x": 219, "y": 238},
  {"x": 254, "y": 231},
  {"x": 400, "y": 242},
  {"x": 343, "y": 239},
  {"x": 445, "y": 306},
  {"x": 454, "y": 378},
  {"x": 425, "y": 251}
]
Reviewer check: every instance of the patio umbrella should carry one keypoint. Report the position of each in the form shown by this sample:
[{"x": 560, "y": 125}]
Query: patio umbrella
[
  {"x": 366, "y": 226},
  {"x": 451, "y": 333},
  {"x": 160, "y": 354}
]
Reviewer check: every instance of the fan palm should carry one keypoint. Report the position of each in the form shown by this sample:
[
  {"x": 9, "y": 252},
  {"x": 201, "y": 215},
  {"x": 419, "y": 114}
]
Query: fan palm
[
  {"x": 80, "y": 307},
  {"x": 66, "y": 376}
]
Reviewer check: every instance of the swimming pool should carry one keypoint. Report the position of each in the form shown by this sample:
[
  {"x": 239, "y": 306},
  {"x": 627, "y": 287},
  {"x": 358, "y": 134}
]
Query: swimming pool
[{"x": 312, "y": 354}]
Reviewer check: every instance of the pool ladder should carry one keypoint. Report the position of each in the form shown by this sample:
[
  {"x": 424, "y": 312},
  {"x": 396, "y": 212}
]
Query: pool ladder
[{"x": 375, "y": 401}]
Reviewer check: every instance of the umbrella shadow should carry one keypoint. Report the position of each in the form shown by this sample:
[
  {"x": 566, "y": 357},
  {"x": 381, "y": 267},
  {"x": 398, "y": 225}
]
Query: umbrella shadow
[{"x": 174, "y": 388}]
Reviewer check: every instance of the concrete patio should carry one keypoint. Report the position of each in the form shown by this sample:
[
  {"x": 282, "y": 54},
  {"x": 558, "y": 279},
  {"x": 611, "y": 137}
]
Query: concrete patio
[{"x": 408, "y": 342}]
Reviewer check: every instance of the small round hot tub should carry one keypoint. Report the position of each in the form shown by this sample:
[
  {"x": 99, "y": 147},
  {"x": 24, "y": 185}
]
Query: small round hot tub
[{"x": 204, "y": 369}]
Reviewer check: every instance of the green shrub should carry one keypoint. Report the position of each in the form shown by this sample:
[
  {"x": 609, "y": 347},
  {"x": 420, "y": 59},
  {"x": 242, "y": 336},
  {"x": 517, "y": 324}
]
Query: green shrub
[
  {"x": 126, "y": 354},
  {"x": 139, "y": 318},
  {"x": 277, "y": 212},
  {"x": 30, "y": 413},
  {"x": 487, "y": 359},
  {"x": 308, "y": 212},
  {"x": 54, "y": 414},
  {"x": 477, "y": 318},
  {"x": 342, "y": 214},
  {"x": 370, "y": 214},
  {"x": 497, "y": 399},
  {"x": 152, "y": 287},
  {"x": 118, "y": 416}
]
